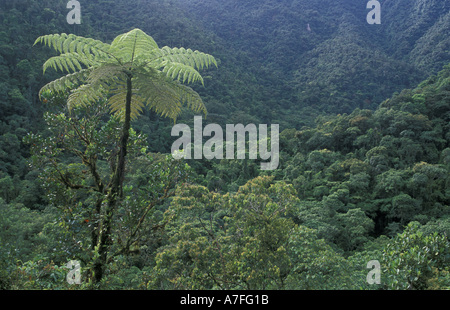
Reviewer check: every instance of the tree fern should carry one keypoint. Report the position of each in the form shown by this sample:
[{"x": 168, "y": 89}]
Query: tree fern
[{"x": 131, "y": 73}]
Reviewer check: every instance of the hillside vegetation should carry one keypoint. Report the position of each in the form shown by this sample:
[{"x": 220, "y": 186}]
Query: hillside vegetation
[{"x": 364, "y": 173}]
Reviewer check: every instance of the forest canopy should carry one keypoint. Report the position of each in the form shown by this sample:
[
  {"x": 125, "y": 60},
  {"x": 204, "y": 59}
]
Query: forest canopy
[{"x": 86, "y": 173}]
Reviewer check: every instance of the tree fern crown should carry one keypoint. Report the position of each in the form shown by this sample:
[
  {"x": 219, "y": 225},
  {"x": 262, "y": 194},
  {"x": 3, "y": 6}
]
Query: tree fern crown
[{"x": 97, "y": 70}]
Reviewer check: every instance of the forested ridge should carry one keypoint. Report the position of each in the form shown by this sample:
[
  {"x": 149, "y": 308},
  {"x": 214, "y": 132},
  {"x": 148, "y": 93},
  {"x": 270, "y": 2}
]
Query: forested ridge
[{"x": 363, "y": 175}]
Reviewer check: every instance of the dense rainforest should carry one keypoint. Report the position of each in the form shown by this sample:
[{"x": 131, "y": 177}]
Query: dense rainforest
[{"x": 364, "y": 146}]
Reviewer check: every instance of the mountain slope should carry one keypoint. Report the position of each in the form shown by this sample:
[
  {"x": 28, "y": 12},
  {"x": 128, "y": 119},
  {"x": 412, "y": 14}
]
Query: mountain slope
[{"x": 340, "y": 62}]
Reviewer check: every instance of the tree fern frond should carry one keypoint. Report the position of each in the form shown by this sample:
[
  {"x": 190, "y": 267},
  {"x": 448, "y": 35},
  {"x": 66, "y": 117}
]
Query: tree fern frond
[
  {"x": 70, "y": 43},
  {"x": 191, "y": 98},
  {"x": 133, "y": 44},
  {"x": 160, "y": 97},
  {"x": 86, "y": 94},
  {"x": 109, "y": 73},
  {"x": 195, "y": 59},
  {"x": 100, "y": 82},
  {"x": 66, "y": 82},
  {"x": 117, "y": 104},
  {"x": 167, "y": 97},
  {"x": 67, "y": 62},
  {"x": 181, "y": 72}
]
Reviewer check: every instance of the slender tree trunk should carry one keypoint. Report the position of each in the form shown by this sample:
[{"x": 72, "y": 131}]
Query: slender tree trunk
[
  {"x": 120, "y": 167},
  {"x": 104, "y": 237}
]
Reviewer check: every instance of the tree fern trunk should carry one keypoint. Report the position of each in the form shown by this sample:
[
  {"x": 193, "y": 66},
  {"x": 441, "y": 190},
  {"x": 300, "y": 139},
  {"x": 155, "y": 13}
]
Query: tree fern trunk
[
  {"x": 120, "y": 168},
  {"x": 104, "y": 239}
]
